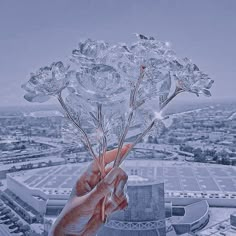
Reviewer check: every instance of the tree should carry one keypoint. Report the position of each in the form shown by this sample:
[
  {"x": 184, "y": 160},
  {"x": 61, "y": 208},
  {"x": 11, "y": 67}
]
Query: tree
[{"x": 199, "y": 155}]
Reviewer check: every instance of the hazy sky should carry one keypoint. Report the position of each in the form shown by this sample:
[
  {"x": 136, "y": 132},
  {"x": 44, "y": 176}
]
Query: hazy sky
[{"x": 36, "y": 33}]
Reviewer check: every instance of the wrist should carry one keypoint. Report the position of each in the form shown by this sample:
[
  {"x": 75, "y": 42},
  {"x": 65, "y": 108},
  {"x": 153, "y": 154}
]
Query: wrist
[{"x": 57, "y": 229}]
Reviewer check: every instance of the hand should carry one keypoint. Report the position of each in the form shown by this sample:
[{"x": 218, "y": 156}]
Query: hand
[{"x": 82, "y": 213}]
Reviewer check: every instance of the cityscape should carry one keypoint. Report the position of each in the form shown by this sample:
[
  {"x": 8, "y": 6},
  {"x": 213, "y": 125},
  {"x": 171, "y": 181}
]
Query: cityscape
[
  {"x": 117, "y": 118},
  {"x": 181, "y": 182}
]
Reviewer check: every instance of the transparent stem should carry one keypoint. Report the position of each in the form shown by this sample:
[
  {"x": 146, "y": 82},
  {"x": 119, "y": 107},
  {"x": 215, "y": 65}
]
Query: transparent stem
[
  {"x": 130, "y": 117},
  {"x": 137, "y": 140},
  {"x": 168, "y": 100},
  {"x": 119, "y": 160},
  {"x": 116, "y": 163},
  {"x": 104, "y": 140},
  {"x": 104, "y": 144},
  {"x": 102, "y": 152},
  {"x": 134, "y": 93},
  {"x": 69, "y": 116}
]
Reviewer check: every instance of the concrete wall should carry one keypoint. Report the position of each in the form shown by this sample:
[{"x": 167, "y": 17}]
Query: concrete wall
[
  {"x": 25, "y": 195},
  {"x": 146, "y": 204}
]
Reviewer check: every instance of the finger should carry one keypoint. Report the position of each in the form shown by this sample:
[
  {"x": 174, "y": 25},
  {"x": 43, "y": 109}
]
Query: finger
[
  {"x": 105, "y": 186},
  {"x": 95, "y": 222},
  {"x": 91, "y": 177},
  {"x": 83, "y": 186},
  {"x": 119, "y": 188},
  {"x": 123, "y": 205},
  {"x": 111, "y": 155},
  {"x": 87, "y": 182},
  {"x": 118, "y": 196},
  {"x": 91, "y": 182},
  {"x": 116, "y": 204}
]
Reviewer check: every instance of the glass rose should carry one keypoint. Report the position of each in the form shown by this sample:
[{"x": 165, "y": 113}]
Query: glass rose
[{"x": 47, "y": 81}]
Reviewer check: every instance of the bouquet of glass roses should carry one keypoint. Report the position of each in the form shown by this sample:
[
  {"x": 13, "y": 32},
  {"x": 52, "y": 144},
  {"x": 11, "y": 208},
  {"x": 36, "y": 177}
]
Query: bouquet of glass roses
[{"x": 106, "y": 90}]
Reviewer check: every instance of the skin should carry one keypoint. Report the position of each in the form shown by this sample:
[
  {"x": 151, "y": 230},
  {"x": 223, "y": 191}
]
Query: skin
[{"x": 84, "y": 206}]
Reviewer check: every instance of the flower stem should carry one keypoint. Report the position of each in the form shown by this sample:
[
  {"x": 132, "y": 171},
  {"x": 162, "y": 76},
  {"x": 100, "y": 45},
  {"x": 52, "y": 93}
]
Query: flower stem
[
  {"x": 167, "y": 101},
  {"x": 116, "y": 163},
  {"x": 133, "y": 97},
  {"x": 102, "y": 152},
  {"x": 104, "y": 140},
  {"x": 137, "y": 140},
  {"x": 69, "y": 116}
]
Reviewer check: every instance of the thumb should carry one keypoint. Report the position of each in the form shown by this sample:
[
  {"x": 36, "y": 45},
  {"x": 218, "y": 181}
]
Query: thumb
[{"x": 104, "y": 187}]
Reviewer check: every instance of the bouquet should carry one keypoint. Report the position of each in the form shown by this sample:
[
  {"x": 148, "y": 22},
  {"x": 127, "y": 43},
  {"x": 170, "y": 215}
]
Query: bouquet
[{"x": 108, "y": 90}]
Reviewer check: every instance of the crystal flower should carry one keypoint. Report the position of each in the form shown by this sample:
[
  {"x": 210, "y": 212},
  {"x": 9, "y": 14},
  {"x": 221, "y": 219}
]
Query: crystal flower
[
  {"x": 105, "y": 73},
  {"x": 89, "y": 52},
  {"x": 190, "y": 79},
  {"x": 100, "y": 83},
  {"x": 46, "y": 82},
  {"x": 164, "y": 70},
  {"x": 118, "y": 90},
  {"x": 97, "y": 79}
]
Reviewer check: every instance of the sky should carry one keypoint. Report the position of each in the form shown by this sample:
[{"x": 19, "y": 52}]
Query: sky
[{"x": 36, "y": 33}]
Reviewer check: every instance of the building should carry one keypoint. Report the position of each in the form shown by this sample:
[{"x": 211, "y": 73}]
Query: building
[
  {"x": 233, "y": 219},
  {"x": 195, "y": 217},
  {"x": 185, "y": 183},
  {"x": 145, "y": 214},
  {"x": 47, "y": 189},
  {"x": 222, "y": 228}
]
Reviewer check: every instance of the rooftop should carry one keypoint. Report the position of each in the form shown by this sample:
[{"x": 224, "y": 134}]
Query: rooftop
[
  {"x": 194, "y": 212},
  {"x": 177, "y": 176}
]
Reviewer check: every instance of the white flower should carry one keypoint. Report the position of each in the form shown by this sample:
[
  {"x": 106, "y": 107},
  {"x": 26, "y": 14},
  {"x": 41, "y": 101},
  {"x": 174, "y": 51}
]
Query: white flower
[
  {"x": 100, "y": 83},
  {"x": 190, "y": 79},
  {"x": 46, "y": 82}
]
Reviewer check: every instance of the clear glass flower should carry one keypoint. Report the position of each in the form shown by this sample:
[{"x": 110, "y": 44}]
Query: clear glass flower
[
  {"x": 190, "y": 79},
  {"x": 112, "y": 87},
  {"x": 46, "y": 82},
  {"x": 98, "y": 76},
  {"x": 99, "y": 80},
  {"x": 114, "y": 117},
  {"x": 107, "y": 74},
  {"x": 100, "y": 83},
  {"x": 89, "y": 52}
]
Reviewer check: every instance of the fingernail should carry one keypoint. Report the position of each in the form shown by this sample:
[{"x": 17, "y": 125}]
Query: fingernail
[
  {"x": 125, "y": 149},
  {"x": 120, "y": 188},
  {"x": 127, "y": 197},
  {"x": 87, "y": 186},
  {"x": 125, "y": 189}
]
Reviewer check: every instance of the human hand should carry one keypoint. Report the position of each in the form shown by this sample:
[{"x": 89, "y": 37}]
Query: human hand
[{"x": 82, "y": 213}]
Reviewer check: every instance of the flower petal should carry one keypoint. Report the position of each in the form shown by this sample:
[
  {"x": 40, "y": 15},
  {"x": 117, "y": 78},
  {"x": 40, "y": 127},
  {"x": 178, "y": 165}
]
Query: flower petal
[
  {"x": 206, "y": 92},
  {"x": 33, "y": 97}
]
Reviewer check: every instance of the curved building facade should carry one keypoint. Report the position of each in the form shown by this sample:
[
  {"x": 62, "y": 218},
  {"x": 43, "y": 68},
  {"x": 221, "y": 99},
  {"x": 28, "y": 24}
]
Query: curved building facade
[
  {"x": 145, "y": 214},
  {"x": 47, "y": 190},
  {"x": 196, "y": 217}
]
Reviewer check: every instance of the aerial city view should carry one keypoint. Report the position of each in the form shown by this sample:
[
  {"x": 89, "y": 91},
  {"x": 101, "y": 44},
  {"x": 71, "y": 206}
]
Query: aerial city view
[
  {"x": 111, "y": 138},
  {"x": 39, "y": 166}
]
